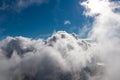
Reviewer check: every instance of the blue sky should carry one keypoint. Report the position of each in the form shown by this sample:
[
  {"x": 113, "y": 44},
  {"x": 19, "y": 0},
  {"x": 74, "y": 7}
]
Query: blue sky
[{"x": 39, "y": 18}]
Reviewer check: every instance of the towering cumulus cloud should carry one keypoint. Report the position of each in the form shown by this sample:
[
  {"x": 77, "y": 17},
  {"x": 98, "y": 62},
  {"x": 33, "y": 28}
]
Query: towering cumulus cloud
[{"x": 64, "y": 56}]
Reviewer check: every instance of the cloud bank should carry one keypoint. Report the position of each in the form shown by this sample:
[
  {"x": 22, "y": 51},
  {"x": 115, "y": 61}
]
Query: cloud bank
[
  {"x": 62, "y": 56},
  {"x": 65, "y": 56}
]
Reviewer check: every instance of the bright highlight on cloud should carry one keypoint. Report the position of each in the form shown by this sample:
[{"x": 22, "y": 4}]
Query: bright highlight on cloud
[{"x": 64, "y": 56}]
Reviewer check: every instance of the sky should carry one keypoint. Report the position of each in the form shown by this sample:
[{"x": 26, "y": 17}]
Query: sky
[{"x": 40, "y": 18}]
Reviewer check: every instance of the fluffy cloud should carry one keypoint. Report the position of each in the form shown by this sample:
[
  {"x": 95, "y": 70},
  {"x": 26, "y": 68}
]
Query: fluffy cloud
[
  {"x": 62, "y": 56},
  {"x": 105, "y": 31}
]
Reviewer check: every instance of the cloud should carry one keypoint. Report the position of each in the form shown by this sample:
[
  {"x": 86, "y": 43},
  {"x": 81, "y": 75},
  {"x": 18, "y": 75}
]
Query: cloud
[
  {"x": 61, "y": 56},
  {"x": 67, "y": 22},
  {"x": 105, "y": 31},
  {"x": 83, "y": 33}
]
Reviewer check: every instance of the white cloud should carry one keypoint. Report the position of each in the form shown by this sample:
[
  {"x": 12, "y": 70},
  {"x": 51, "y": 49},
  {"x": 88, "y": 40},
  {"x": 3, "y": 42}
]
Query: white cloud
[
  {"x": 84, "y": 31},
  {"x": 105, "y": 30},
  {"x": 94, "y": 7},
  {"x": 61, "y": 56},
  {"x": 67, "y": 22}
]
